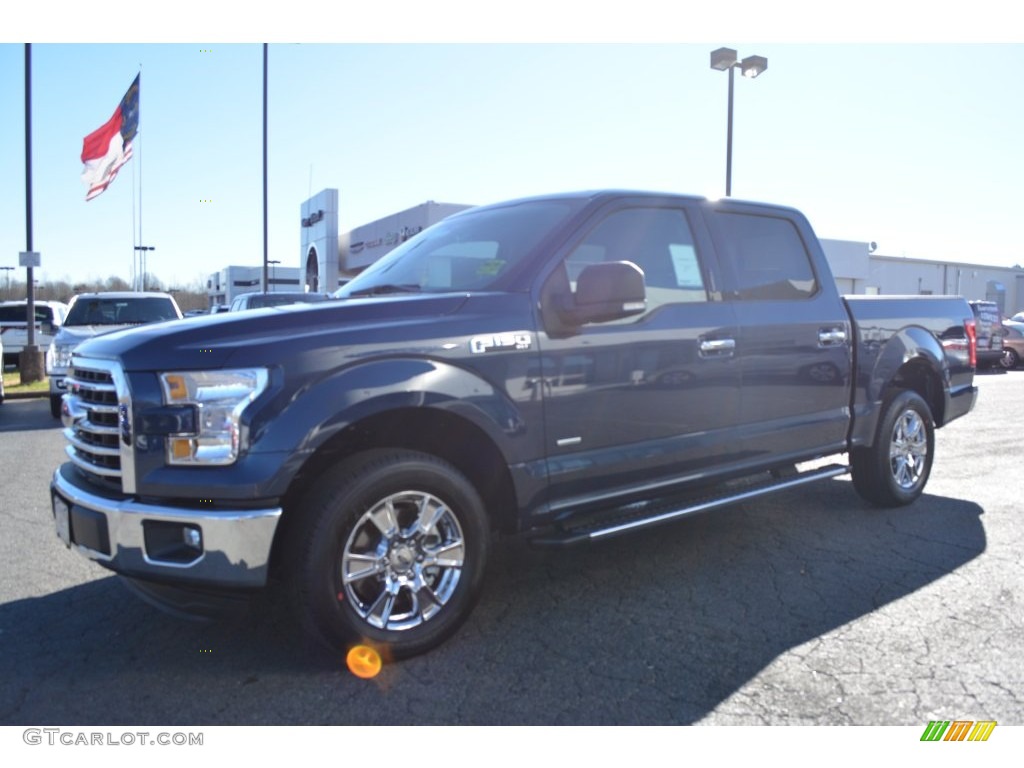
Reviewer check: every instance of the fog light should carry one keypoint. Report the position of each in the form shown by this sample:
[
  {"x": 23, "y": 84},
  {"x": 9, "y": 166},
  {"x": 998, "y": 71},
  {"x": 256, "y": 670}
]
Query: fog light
[{"x": 175, "y": 543}]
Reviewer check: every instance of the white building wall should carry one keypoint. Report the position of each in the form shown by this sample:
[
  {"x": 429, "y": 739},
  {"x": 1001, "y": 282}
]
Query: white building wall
[
  {"x": 366, "y": 244},
  {"x": 1003, "y": 285},
  {"x": 849, "y": 262},
  {"x": 222, "y": 287},
  {"x": 329, "y": 257},
  {"x": 318, "y": 256},
  {"x": 859, "y": 272}
]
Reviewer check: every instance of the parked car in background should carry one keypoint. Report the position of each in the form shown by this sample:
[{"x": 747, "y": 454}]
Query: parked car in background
[
  {"x": 14, "y": 325},
  {"x": 1018, "y": 318},
  {"x": 1013, "y": 345},
  {"x": 989, "y": 329},
  {"x": 91, "y": 314},
  {"x": 259, "y": 300},
  {"x": 1, "y": 370}
]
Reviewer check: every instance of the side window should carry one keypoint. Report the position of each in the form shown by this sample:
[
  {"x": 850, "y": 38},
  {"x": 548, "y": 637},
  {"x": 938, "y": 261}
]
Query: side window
[
  {"x": 767, "y": 257},
  {"x": 12, "y": 313},
  {"x": 658, "y": 240}
]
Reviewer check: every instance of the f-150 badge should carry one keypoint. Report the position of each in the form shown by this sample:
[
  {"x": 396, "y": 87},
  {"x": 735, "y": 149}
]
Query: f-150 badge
[{"x": 496, "y": 341}]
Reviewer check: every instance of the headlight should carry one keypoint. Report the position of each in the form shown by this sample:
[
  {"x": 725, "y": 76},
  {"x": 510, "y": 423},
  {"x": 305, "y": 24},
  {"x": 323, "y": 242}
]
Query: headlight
[
  {"x": 219, "y": 398},
  {"x": 58, "y": 357}
]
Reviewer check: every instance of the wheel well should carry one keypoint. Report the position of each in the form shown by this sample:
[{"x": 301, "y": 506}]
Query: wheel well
[
  {"x": 919, "y": 377},
  {"x": 432, "y": 431}
]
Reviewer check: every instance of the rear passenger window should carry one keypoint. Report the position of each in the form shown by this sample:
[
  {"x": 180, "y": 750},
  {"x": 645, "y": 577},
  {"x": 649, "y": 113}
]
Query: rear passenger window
[
  {"x": 767, "y": 257},
  {"x": 18, "y": 313},
  {"x": 13, "y": 313}
]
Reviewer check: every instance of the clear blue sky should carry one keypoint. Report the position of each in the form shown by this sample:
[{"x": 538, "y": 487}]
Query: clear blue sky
[{"x": 914, "y": 146}]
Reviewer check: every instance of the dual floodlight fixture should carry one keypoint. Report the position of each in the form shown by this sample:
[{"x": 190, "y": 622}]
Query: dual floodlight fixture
[{"x": 725, "y": 58}]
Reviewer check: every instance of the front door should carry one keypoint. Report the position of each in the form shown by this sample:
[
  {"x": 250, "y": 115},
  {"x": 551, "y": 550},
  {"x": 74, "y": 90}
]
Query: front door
[{"x": 652, "y": 399}]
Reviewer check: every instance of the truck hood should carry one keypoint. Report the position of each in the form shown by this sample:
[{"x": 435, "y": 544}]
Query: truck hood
[
  {"x": 266, "y": 336},
  {"x": 76, "y": 334}
]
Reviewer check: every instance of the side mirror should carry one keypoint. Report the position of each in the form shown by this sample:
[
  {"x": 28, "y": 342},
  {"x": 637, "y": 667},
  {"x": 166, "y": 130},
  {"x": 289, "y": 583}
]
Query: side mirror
[{"x": 608, "y": 291}]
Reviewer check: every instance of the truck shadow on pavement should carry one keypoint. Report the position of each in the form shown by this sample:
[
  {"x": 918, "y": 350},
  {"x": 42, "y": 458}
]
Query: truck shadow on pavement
[{"x": 659, "y": 627}]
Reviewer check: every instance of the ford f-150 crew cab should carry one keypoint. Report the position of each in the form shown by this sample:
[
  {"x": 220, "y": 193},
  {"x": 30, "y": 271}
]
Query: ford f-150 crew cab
[{"x": 568, "y": 367}]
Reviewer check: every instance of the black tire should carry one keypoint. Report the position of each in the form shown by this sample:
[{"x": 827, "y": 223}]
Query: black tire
[
  {"x": 894, "y": 471},
  {"x": 55, "y": 406},
  {"x": 1010, "y": 359},
  {"x": 412, "y": 531}
]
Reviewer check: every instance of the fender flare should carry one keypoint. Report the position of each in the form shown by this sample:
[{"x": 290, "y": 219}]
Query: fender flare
[{"x": 911, "y": 349}]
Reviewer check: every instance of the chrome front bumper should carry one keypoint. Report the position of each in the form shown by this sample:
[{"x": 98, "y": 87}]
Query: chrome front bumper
[{"x": 209, "y": 547}]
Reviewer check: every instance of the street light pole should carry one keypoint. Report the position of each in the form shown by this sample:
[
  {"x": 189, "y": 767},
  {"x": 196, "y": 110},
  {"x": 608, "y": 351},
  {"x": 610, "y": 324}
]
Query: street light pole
[
  {"x": 142, "y": 262},
  {"x": 273, "y": 274},
  {"x": 265, "y": 168},
  {"x": 724, "y": 59},
  {"x": 728, "y": 140}
]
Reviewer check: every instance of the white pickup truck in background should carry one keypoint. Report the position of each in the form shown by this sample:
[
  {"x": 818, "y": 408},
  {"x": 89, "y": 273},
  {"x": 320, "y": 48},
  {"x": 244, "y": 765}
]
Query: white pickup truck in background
[
  {"x": 91, "y": 314},
  {"x": 14, "y": 325}
]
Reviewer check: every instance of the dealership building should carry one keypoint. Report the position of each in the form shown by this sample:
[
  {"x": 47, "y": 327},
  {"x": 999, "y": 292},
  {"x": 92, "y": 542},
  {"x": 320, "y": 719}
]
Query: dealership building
[{"x": 328, "y": 258}]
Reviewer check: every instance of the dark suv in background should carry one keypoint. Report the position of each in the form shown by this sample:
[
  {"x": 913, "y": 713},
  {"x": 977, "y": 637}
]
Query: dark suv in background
[
  {"x": 280, "y": 298},
  {"x": 989, "y": 326}
]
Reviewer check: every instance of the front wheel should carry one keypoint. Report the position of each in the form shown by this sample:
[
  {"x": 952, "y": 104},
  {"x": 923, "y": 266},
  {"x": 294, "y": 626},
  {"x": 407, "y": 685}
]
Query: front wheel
[
  {"x": 55, "y": 406},
  {"x": 388, "y": 550},
  {"x": 894, "y": 470}
]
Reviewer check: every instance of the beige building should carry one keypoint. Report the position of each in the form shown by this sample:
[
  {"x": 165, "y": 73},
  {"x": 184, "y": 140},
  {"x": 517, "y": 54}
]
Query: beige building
[
  {"x": 329, "y": 257},
  {"x": 859, "y": 271}
]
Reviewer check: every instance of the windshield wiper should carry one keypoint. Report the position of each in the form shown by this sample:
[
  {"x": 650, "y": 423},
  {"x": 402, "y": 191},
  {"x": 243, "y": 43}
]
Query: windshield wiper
[{"x": 386, "y": 288}]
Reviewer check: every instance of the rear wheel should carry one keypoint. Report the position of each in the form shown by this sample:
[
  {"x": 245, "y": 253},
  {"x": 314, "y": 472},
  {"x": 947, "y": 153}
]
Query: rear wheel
[
  {"x": 894, "y": 471},
  {"x": 389, "y": 550},
  {"x": 1010, "y": 359}
]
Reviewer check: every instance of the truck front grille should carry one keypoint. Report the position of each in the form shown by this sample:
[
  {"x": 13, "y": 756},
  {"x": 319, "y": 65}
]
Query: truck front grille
[{"x": 98, "y": 423}]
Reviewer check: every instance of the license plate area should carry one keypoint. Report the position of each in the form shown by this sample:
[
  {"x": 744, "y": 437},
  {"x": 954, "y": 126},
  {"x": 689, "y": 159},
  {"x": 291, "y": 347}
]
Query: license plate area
[
  {"x": 62, "y": 516},
  {"x": 81, "y": 526}
]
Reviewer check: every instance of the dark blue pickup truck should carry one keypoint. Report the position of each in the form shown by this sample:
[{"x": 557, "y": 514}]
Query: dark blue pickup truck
[{"x": 569, "y": 367}]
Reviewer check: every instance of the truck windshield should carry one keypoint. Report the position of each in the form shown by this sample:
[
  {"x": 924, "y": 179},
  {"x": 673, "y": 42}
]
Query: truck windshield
[
  {"x": 469, "y": 251},
  {"x": 127, "y": 311}
]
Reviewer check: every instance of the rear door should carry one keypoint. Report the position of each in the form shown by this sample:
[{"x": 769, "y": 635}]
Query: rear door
[{"x": 794, "y": 346}]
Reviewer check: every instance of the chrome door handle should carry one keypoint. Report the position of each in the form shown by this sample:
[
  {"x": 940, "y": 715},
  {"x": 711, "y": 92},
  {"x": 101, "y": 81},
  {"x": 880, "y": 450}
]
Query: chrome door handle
[
  {"x": 831, "y": 337},
  {"x": 717, "y": 347}
]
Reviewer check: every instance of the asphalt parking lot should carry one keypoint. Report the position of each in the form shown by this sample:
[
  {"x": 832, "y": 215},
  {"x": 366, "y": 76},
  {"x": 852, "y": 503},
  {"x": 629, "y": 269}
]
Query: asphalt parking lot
[{"x": 807, "y": 608}]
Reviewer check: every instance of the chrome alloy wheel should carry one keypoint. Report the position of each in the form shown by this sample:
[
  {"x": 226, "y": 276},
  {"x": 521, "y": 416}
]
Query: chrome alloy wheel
[
  {"x": 908, "y": 449},
  {"x": 402, "y": 561}
]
